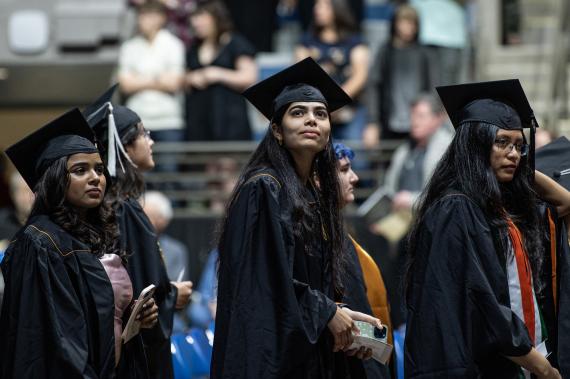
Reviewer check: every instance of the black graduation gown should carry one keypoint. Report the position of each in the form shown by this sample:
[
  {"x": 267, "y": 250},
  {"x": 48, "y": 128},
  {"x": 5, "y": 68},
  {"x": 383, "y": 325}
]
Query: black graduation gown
[
  {"x": 554, "y": 297},
  {"x": 274, "y": 299},
  {"x": 356, "y": 299},
  {"x": 57, "y": 318},
  {"x": 460, "y": 324},
  {"x": 146, "y": 266}
]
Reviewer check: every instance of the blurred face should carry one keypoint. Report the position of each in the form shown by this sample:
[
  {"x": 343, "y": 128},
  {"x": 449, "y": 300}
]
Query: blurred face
[
  {"x": 424, "y": 123},
  {"x": 140, "y": 150},
  {"x": 323, "y": 13},
  {"x": 204, "y": 25},
  {"x": 305, "y": 127},
  {"x": 150, "y": 23},
  {"x": 87, "y": 180},
  {"x": 155, "y": 216},
  {"x": 347, "y": 179},
  {"x": 406, "y": 29},
  {"x": 505, "y": 154}
]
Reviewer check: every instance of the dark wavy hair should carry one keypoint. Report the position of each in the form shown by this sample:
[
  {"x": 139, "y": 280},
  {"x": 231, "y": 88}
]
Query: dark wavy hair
[
  {"x": 269, "y": 154},
  {"x": 129, "y": 183},
  {"x": 344, "y": 20},
  {"x": 98, "y": 228},
  {"x": 222, "y": 17},
  {"x": 465, "y": 168}
]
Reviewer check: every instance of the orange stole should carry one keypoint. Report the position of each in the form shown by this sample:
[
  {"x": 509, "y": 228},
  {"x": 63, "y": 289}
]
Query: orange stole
[
  {"x": 552, "y": 230},
  {"x": 375, "y": 288},
  {"x": 525, "y": 278}
]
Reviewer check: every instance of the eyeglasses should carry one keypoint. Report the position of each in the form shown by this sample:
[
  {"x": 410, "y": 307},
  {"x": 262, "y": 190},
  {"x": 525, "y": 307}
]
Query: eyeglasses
[
  {"x": 506, "y": 145},
  {"x": 146, "y": 133}
]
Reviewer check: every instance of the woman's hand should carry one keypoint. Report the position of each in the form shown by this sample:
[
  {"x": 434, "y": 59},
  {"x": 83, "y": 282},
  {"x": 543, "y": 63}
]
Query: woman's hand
[
  {"x": 551, "y": 374},
  {"x": 149, "y": 315},
  {"x": 184, "y": 293},
  {"x": 362, "y": 353},
  {"x": 341, "y": 327},
  {"x": 536, "y": 363},
  {"x": 359, "y": 316}
]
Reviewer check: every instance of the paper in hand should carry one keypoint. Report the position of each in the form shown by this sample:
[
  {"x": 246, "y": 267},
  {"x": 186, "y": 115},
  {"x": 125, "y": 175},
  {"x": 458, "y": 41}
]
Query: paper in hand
[
  {"x": 133, "y": 325},
  {"x": 381, "y": 351}
]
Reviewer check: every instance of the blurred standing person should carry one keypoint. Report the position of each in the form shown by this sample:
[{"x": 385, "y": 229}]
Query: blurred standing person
[
  {"x": 67, "y": 289},
  {"x": 399, "y": 73},
  {"x": 336, "y": 45},
  {"x": 127, "y": 151},
  {"x": 219, "y": 66},
  {"x": 444, "y": 33},
  {"x": 256, "y": 20},
  {"x": 150, "y": 73},
  {"x": 177, "y": 13},
  {"x": 306, "y": 15}
]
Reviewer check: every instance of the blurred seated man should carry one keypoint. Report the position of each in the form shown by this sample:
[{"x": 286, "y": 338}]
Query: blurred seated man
[
  {"x": 159, "y": 210},
  {"x": 414, "y": 161},
  {"x": 411, "y": 168}
]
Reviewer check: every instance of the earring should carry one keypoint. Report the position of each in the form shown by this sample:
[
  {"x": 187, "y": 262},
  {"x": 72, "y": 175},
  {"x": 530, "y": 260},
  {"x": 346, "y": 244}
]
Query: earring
[{"x": 279, "y": 141}]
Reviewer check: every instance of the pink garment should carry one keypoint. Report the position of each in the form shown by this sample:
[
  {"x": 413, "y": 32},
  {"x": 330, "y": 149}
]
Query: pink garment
[{"x": 123, "y": 292}]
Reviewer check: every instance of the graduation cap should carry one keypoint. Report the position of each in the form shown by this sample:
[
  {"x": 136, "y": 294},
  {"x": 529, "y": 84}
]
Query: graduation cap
[
  {"x": 110, "y": 123},
  {"x": 502, "y": 103},
  {"x": 304, "y": 81},
  {"x": 553, "y": 160},
  {"x": 68, "y": 134}
]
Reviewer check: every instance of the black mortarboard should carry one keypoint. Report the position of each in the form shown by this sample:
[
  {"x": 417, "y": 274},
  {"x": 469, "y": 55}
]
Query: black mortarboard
[
  {"x": 485, "y": 102},
  {"x": 502, "y": 103},
  {"x": 97, "y": 114},
  {"x": 554, "y": 160},
  {"x": 303, "y": 81},
  {"x": 110, "y": 123},
  {"x": 68, "y": 134}
]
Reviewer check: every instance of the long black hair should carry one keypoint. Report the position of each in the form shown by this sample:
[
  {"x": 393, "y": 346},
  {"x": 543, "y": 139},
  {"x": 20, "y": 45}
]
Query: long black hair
[
  {"x": 130, "y": 183},
  {"x": 97, "y": 228},
  {"x": 465, "y": 168},
  {"x": 269, "y": 154},
  {"x": 344, "y": 20}
]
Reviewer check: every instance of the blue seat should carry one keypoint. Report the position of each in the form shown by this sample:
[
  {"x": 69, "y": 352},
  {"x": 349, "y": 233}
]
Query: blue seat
[
  {"x": 192, "y": 353},
  {"x": 399, "y": 337},
  {"x": 181, "y": 360}
]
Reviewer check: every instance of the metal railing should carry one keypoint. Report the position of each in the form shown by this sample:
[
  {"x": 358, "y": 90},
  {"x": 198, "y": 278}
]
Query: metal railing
[{"x": 204, "y": 172}]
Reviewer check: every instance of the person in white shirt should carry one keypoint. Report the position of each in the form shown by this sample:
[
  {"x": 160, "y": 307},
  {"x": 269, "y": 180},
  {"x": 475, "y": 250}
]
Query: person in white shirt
[{"x": 151, "y": 67}]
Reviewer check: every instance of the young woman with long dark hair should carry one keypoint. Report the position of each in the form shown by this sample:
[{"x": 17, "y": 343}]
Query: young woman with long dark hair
[
  {"x": 220, "y": 65},
  {"x": 66, "y": 287},
  {"x": 281, "y": 245},
  {"x": 475, "y": 250},
  {"x": 127, "y": 150},
  {"x": 335, "y": 43}
]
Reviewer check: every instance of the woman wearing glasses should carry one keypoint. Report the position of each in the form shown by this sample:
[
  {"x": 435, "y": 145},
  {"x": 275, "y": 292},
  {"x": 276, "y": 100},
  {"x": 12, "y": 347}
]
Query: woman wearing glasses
[
  {"x": 475, "y": 250},
  {"x": 128, "y": 154}
]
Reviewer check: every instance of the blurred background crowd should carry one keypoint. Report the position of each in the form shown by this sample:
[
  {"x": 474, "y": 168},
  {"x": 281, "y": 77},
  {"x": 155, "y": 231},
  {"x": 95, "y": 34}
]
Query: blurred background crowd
[{"x": 182, "y": 64}]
